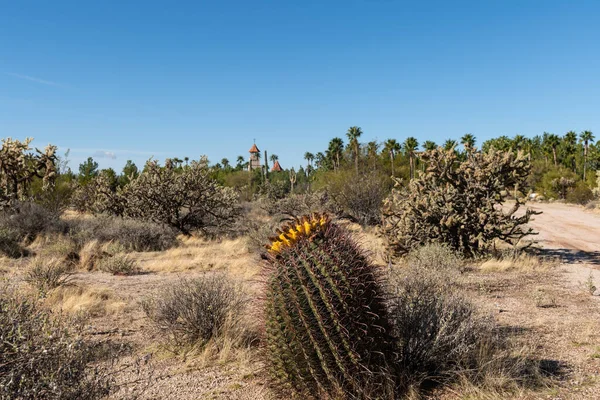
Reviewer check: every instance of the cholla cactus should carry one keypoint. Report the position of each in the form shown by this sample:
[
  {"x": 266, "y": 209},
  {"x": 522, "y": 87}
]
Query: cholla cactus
[
  {"x": 18, "y": 167},
  {"x": 459, "y": 204},
  {"x": 327, "y": 334}
]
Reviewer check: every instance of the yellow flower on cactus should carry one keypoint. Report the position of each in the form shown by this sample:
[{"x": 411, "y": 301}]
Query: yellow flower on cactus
[{"x": 295, "y": 230}]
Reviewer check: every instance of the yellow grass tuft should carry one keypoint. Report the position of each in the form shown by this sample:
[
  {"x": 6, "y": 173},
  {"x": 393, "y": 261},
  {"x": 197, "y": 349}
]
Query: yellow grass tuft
[
  {"x": 95, "y": 301},
  {"x": 195, "y": 254},
  {"x": 521, "y": 263}
]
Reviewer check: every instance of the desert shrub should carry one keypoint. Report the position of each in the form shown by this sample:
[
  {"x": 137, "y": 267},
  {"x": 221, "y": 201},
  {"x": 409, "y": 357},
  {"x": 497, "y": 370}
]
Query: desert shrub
[
  {"x": 29, "y": 220},
  {"x": 10, "y": 243},
  {"x": 133, "y": 235},
  {"x": 557, "y": 182},
  {"x": 581, "y": 194},
  {"x": 46, "y": 274},
  {"x": 191, "y": 312},
  {"x": 358, "y": 196},
  {"x": 99, "y": 196},
  {"x": 434, "y": 256},
  {"x": 439, "y": 332},
  {"x": 187, "y": 200},
  {"x": 458, "y": 204},
  {"x": 40, "y": 358},
  {"x": 119, "y": 264},
  {"x": 297, "y": 204}
]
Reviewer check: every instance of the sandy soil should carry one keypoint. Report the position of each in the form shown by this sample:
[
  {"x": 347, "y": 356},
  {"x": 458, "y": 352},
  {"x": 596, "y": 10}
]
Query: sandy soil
[{"x": 571, "y": 233}]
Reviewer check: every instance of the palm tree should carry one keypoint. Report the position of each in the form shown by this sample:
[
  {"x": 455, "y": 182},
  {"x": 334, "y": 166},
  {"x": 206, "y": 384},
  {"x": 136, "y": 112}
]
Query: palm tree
[
  {"x": 240, "y": 161},
  {"x": 353, "y": 134},
  {"x": 552, "y": 141},
  {"x": 449, "y": 144},
  {"x": 309, "y": 157},
  {"x": 410, "y": 145},
  {"x": 468, "y": 141},
  {"x": 336, "y": 147},
  {"x": 225, "y": 163},
  {"x": 569, "y": 149},
  {"x": 587, "y": 137},
  {"x": 429, "y": 145},
  {"x": 187, "y": 160},
  {"x": 274, "y": 157},
  {"x": 392, "y": 147}
]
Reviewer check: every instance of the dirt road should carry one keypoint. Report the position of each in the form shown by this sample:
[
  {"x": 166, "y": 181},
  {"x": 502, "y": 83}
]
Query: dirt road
[{"x": 573, "y": 234}]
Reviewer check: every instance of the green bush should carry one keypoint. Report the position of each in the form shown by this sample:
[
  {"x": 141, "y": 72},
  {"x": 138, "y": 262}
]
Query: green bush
[
  {"x": 581, "y": 194},
  {"x": 9, "y": 243}
]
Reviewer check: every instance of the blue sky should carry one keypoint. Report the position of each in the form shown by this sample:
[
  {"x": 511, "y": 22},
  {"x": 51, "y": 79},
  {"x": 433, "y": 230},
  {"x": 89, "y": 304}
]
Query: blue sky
[{"x": 131, "y": 79}]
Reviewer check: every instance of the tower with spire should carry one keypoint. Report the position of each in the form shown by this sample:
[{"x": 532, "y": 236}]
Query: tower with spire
[{"x": 254, "y": 158}]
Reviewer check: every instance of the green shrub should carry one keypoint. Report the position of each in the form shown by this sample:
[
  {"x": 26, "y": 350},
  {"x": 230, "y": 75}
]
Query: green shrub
[
  {"x": 581, "y": 194},
  {"x": 327, "y": 333},
  {"x": 9, "y": 243},
  {"x": 192, "y": 312}
]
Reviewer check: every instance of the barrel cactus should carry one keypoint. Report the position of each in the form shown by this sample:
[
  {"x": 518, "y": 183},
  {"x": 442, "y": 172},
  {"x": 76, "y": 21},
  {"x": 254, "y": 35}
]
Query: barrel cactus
[{"x": 327, "y": 333}]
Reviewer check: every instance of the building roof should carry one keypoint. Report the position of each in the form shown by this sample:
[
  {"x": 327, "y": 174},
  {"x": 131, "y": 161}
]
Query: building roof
[
  {"x": 276, "y": 167},
  {"x": 254, "y": 149}
]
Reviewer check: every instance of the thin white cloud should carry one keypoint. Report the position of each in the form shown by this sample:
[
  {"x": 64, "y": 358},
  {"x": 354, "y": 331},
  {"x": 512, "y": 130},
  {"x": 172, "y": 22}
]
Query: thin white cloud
[
  {"x": 34, "y": 79},
  {"x": 105, "y": 154},
  {"x": 114, "y": 152}
]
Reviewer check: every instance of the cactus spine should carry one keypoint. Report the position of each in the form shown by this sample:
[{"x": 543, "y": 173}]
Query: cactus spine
[{"x": 326, "y": 329}]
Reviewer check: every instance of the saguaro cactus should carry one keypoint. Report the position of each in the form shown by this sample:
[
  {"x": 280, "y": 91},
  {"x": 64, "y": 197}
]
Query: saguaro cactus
[{"x": 327, "y": 333}]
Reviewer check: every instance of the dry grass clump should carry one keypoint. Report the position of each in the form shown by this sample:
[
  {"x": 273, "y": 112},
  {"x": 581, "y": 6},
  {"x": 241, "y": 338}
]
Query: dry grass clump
[
  {"x": 119, "y": 264},
  {"x": 194, "y": 312},
  {"x": 205, "y": 255},
  {"x": 46, "y": 274},
  {"x": 95, "y": 301},
  {"x": 518, "y": 262},
  {"x": 40, "y": 358}
]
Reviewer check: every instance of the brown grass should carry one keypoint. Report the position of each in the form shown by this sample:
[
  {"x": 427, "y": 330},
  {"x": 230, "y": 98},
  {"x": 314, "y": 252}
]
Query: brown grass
[
  {"x": 195, "y": 254},
  {"x": 521, "y": 263},
  {"x": 93, "y": 300}
]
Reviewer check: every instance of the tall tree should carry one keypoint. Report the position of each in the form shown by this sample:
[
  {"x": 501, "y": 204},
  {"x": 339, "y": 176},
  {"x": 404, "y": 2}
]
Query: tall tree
[
  {"x": 354, "y": 132},
  {"x": 449, "y": 144},
  {"x": 552, "y": 141},
  {"x": 274, "y": 157},
  {"x": 468, "y": 141},
  {"x": 569, "y": 147},
  {"x": 225, "y": 163},
  {"x": 309, "y": 157},
  {"x": 410, "y": 146},
  {"x": 391, "y": 147},
  {"x": 586, "y": 137},
  {"x": 429, "y": 145},
  {"x": 334, "y": 151},
  {"x": 240, "y": 162},
  {"x": 88, "y": 170}
]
